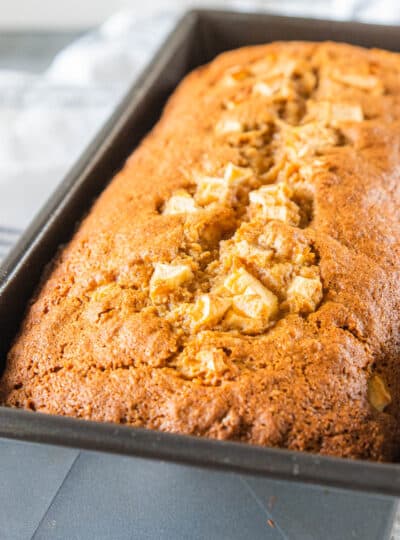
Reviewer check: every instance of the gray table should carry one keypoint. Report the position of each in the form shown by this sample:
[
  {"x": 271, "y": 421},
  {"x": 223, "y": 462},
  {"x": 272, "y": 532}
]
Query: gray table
[{"x": 63, "y": 494}]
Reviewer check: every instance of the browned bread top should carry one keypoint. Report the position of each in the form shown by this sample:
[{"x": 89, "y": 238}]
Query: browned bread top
[{"x": 239, "y": 278}]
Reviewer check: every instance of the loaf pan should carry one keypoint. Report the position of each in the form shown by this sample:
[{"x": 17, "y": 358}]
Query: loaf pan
[{"x": 198, "y": 37}]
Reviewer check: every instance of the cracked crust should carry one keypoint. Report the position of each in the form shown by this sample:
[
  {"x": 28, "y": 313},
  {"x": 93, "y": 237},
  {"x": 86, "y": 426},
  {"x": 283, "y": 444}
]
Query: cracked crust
[{"x": 239, "y": 278}]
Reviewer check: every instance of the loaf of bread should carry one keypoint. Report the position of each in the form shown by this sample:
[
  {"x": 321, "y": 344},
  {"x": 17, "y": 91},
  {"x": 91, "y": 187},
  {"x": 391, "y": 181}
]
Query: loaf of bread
[{"x": 239, "y": 278}]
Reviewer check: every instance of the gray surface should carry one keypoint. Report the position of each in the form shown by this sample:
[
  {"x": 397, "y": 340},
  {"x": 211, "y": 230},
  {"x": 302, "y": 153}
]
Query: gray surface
[
  {"x": 32, "y": 51},
  {"x": 150, "y": 500},
  {"x": 306, "y": 513},
  {"x": 60, "y": 494},
  {"x": 30, "y": 478}
]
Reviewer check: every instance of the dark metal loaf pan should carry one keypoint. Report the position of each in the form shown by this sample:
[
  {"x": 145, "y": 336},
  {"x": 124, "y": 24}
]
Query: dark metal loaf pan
[{"x": 198, "y": 37}]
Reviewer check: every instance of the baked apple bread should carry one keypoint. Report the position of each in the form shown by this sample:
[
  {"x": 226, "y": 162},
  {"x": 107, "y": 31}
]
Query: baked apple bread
[{"x": 239, "y": 278}]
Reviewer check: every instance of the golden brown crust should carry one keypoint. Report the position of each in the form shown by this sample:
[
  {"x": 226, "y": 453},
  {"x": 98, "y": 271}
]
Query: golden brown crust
[{"x": 239, "y": 278}]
